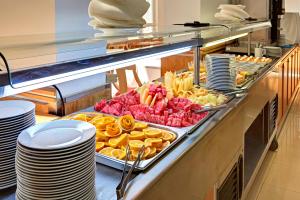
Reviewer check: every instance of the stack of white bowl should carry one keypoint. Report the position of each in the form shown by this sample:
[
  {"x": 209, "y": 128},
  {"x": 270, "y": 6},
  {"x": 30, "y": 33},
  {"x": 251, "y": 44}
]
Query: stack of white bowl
[
  {"x": 118, "y": 14},
  {"x": 220, "y": 76},
  {"x": 15, "y": 116},
  {"x": 56, "y": 160},
  {"x": 117, "y": 18}
]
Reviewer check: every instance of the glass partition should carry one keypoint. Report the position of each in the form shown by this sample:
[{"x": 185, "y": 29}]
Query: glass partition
[{"x": 48, "y": 59}]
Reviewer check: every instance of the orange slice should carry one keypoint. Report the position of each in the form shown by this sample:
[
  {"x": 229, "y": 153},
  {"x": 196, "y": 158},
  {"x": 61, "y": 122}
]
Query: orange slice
[
  {"x": 164, "y": 145},
  {"x": 93, "y": 117},
  {"x": 107, "y": 151},
  {"x": 152, "y": 152},
  {"x": 113, "y": 130},
  {"x": 136, "y": 135},
  {"x": 136, "y": 153},
  {"x": 120, "y": 141},
  {"x": 101, "y": 137},
  {"x": 136, "y": 145},
  {"x": 118, "y": 154},
  {"x": 153, "y": 142},
  {"x": 153, "y": 133},
  {"x": 99, "y": 146},
  {"x": 127, "y": 122},
  {"x": 139, "y": 126},
  {"x": 80, "y": 117},
  {"x": 102, "y": 122},
  {"x": 174, "y": 137},
  {"x": 167, "y": 136}
]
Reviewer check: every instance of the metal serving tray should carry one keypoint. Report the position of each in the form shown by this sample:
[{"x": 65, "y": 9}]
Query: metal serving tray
[
  {"x": 180, "y": 133},
  {"x": 144, "y": 164}
]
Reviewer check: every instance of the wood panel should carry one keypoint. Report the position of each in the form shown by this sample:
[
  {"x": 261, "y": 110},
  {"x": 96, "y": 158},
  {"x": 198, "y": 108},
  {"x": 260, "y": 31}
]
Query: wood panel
[
  {"x": 176, "y": 63},
  {"x": 285, "y": 86},
  {"x": 292, "y": 73},
  {"x": 294, "y": 70},
  {"x": 297, "y": 65},
  {"x": 289, "y": 85},
  {"x": 280, "y": 91},
  {"x": 289, "y": 79}
]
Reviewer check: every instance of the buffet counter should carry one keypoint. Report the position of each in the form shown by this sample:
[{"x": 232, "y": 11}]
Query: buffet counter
[
  {"x": 196, "y": 167},
  {"x": 223, "y": 154}
]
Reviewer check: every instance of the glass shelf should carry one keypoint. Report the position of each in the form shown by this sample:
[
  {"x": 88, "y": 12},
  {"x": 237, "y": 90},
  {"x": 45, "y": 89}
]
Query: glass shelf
[
  {"x": 35, "y": 50},
  {"x": 40, "y": 59}
]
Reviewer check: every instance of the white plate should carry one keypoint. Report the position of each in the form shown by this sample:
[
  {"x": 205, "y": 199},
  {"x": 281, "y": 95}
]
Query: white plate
[
  {"x": 15, "y": 108},
  {"x": 83, "y": 178},
  {"x": 58, "y": 185},
  {"x": 56, "y": 153},
  {"x": 17, "y": 129},
  {"x": 10, "y": 161},
  {"x": 48, "y": 163},
  {"x": 58, "y": 134},
  {"x": 11, "y": 175},
  {"x": 55, "y": 180},
  {"x": 24, "y": 171},
  {"x": 17, "y": 122},
  {"x": 27, "y": 168},
  {"x": 10, "y": 145},
  {"x": 8, "y": 184},
  {"x": 7, "y": 157},
  {"x": 72, "y": 191},
  {"x": 69, "y": 194},
  {"x": 44, "y": 180}
]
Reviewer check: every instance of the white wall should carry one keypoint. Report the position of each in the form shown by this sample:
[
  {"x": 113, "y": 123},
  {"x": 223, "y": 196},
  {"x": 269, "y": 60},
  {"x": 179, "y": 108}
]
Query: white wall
[
  {"x": 18, "y": 17},
  {"x": 180, "y": 11},
  {"x": 209, "y": 8},
  {"x": 34, "y": 17},
  {"x": 292, "y": 5},
  {"x": 177, "y": 11}
]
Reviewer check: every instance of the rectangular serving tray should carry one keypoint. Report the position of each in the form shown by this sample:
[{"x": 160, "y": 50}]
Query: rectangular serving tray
[
  {"x": 144, "y": 164},
  {"x": 181, "y": 133}
]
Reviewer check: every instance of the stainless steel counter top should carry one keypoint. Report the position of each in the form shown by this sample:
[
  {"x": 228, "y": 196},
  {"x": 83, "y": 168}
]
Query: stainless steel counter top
[{"x": 107, "y": 178}]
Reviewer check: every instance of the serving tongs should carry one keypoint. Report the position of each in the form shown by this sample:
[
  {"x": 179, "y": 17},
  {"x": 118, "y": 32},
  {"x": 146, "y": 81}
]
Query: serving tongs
[
  {"x": 210, "y": 109},
  {"x": 120, "y": 189}
]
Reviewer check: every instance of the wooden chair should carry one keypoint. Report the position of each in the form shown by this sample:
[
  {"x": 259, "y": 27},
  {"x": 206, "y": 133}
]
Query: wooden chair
[{"x": 122, "y": 85}]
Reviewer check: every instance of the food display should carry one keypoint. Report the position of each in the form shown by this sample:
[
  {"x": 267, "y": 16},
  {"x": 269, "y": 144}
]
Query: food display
[
  {"x": 240, "y": 77},
  {"x": 134, "y": 44},
  {"x": 153, "y": 106},
  {"x": 248, "y": 65},
  {"x": 205, "y": 97},
  {"x": 178, "y": 83},
  {"x": 252, "y": 59},
  {"x": 114, "y": 134},
  {"x": 196, "y": 95}
]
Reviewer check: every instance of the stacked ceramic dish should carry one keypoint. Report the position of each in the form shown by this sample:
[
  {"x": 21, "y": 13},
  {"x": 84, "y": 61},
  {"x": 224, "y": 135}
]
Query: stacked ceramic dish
[
  {"x": 15, "y": 116},
  {"x": 56, "y": 160},
  {"x": 220, "y": 75},
  {"x": 116, "y": 18}
]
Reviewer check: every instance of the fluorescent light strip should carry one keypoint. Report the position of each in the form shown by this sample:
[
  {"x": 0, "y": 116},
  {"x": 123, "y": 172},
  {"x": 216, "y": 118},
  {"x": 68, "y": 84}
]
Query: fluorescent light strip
[
  {"x": 53, "y": 80},
  {"x": 209, "y": 44}
]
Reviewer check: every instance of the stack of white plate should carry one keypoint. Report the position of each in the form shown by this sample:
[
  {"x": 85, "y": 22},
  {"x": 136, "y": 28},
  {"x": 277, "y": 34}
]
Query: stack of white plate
[
  {"x": 220, "y": 76},
  {"x": 15, "y": 116},
  {"x": 56, "y": 160}
]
